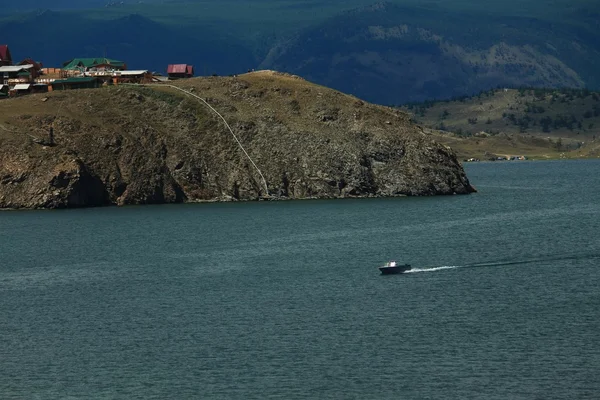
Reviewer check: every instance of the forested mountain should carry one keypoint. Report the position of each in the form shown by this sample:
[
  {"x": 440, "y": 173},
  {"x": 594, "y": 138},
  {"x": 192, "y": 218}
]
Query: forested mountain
[
  {"x": 393, "y": 54},
  {"x": 390, "y": 53}
]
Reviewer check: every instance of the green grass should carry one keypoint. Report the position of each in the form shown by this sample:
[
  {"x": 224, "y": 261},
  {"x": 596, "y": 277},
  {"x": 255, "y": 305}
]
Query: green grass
[{"x": 509, "y": 122}]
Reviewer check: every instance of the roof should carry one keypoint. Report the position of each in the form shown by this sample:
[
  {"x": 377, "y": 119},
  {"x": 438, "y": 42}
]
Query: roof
[
  {"x": 75, "y": 80},
  {"x": 77, "y": 63},
  {"x": 22, "y": 86},
  {"x": 31, "y": 61},
  {"x": 23, "y": 73},
  {"x": 180, "y": 69},
  {"x": 15, "y": 68},
  {"x": 5, "y": 53},
  {"x": 133, "y": 72}
]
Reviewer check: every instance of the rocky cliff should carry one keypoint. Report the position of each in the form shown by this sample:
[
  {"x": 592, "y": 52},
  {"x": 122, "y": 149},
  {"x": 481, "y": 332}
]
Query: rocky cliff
[{"x": 141, "y": 145}]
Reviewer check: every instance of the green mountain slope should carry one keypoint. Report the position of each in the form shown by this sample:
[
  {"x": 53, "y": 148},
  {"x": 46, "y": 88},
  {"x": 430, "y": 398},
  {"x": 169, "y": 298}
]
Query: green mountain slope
[{"x": 393, "y": 54}]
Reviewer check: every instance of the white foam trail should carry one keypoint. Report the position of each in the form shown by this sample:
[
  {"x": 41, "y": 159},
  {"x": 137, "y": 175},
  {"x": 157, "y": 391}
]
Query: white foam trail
[{"x": 431, "y": 269}]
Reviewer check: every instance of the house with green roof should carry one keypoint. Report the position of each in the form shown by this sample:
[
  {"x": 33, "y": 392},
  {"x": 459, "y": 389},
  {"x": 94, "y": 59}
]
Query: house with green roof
[{"x": 93, "y": 64}]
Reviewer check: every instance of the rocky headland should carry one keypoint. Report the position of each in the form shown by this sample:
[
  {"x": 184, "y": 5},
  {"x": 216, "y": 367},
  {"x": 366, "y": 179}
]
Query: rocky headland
[{"x": 146, "y": 145}]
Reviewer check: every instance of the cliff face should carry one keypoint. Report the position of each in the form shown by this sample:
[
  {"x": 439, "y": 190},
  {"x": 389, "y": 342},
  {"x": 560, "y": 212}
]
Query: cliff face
[{"x": 134, "y": 145}]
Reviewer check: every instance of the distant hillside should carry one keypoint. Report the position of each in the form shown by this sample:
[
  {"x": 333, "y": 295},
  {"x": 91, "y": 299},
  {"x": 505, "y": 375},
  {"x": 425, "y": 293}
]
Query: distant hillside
[
  {"x": 541, "y": 122},
  {"x": 29, "y": 5},
  {"x": 392, "y": 54},
  {"x": 388, "y": 53},
  {"x": 55, "y": 37}
]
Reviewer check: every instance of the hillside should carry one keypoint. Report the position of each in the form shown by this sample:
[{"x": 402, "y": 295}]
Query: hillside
[
  {"x": 392, "y": 54},
  {"x": 136, "y": 145},
  {"x": 540, "y": 123}
]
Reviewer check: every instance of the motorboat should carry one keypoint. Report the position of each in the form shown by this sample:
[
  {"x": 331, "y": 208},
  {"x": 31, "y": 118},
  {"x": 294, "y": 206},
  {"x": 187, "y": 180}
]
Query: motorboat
[{"x": 393, "y": 268}]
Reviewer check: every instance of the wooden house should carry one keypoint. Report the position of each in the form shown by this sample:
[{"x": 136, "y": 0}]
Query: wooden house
[
  {"x": 179, "y": 71},
  {"x": 36, "y": 69},
  {"x": 133, "y": 76},
  {"x": 15, "y": 74},
  {"x": 5, "y": 57}
]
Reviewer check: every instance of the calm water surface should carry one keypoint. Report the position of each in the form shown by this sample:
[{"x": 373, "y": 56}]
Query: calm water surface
[{"x": 284, "y": 299}]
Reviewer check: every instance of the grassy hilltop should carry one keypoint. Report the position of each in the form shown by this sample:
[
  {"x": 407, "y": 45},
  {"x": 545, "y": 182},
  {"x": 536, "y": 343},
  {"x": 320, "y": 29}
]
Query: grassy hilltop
[
  {"x": 540, "y": 123},
  {"x": 138, "y": 145}
]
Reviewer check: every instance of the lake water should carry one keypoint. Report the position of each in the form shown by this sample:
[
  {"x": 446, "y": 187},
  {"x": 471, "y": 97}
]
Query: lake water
[{"x": 284, "y": 299}]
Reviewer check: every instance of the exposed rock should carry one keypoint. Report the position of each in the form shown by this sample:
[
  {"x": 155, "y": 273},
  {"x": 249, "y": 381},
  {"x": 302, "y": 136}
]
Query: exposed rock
[{"x": 155, "y": 145}]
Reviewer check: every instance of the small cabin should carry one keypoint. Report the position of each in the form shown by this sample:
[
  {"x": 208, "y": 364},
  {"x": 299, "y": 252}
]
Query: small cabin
[
  {"x": 133, "y": 76},
  {"x": 179, "y": 71}
]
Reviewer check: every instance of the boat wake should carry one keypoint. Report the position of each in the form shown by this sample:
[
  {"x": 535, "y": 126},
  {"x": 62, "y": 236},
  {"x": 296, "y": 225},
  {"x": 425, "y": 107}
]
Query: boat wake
[
  {"x": 431, "y": 269},
  {"x": 571, "y": 257}
]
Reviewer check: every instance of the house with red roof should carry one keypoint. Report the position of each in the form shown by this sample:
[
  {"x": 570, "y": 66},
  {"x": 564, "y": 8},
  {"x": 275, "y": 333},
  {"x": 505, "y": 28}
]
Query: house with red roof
[
  {"x": 36, "y": 70},
  {"x": 178, "y": 71},
  {"x": 5, "y": 57}
]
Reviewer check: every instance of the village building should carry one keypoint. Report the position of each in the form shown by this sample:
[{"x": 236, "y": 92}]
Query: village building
[
  {"x": 39, "y": 88},
  {"x": 88, "y": 82},
  {"x": 16, "y": 74},
  {"x": 23, "y": 88},
  {"x": 91, "y": 67},
  {"x": 179, "y": 71},
  {"x": 4, "y": 91},
  {"x": 48, "y": 75},
  {"x": 5, "y": 57},
  {"x": 36, "y": 70},
  {"x": 133, "y": 76}
]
